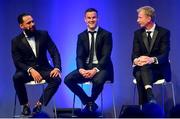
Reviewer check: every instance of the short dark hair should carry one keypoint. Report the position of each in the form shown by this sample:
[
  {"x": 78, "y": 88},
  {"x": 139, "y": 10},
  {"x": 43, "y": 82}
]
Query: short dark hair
[
  {"x": 20, "y": 17},
  {"x": 91, "y": 10}
]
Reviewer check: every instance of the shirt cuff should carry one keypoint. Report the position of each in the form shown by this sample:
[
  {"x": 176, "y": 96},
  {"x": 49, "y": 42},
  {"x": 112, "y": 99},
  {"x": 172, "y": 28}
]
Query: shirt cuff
[
  {"x": 28, "y": 71},
  {"x": 134, "y": 63},
  {"x": 57, "y": 69},
  {"x": 97, "y": 70},
  {"x": 155, "y": 60}
]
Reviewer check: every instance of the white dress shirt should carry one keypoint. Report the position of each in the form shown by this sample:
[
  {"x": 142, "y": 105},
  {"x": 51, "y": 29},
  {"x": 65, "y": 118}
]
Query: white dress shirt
[
  {"x": 95, "y": 61},
  {"x": 32, "y": 43}
]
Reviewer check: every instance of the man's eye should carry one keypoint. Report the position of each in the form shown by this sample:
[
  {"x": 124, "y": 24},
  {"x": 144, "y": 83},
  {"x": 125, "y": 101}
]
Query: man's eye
[{"x": 30, "y": 22}]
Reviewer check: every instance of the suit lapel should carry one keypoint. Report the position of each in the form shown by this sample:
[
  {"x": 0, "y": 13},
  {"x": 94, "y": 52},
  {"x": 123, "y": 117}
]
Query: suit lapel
[
  {"x": 144, "y": 37},
  {"x": 145, "y": 40},
  {"x": 98, "y": 38},
  {"x": 153, "y": 38},
  {"x": 37, "y": 44},
  {"x": 86, "y": 38},
  {"x": 25, "y": 42}
]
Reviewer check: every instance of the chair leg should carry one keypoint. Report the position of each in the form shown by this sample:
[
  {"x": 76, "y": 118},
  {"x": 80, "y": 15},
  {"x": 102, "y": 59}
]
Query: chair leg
[
  {"x": 14, "y": 109},
  {"x": 163, "y": 95},
  {"x": 114, "y": 105},
  {"x": 54, "y": 103},
  {"x": 172, "y": 88},
  {"x": 74, "y": 99},
  {"x": 55, "y": 111},
  {"x": 81, "y": 102},
  {"x": 134, "y": 95},
  {"x": 43, "y": 88},
  {"x": 102, "y": 111}
]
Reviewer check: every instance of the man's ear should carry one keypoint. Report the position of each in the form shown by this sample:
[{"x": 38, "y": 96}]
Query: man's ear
[
  {"x": 150, "y": 19},
  {"x": 21, "y": 26},
  {"x": 85, "y": 19}
]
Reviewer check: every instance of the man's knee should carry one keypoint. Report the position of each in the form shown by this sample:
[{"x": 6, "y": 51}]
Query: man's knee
[
  {"x": 99, "y": 82},
  {"x": 19, "y": 76},
  {"x": 67, "y": 79},
  {"x": 57, "y": 81},
  {"x": 71, "y": 77},
  {"x": 146, "y": 67},
  {"x": 137, "y": 75}
]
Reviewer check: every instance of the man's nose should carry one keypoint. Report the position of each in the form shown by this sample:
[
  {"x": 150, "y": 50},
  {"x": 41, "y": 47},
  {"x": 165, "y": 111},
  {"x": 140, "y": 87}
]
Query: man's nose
[
  {"x": 32, "y": 23},
  {"x": 137, "y": 20}
]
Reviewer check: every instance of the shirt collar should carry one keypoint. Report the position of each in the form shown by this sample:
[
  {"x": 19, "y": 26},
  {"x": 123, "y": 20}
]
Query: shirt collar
[
  {"x": 25, "y": 34},
  {"x": 152, "y": 29}
]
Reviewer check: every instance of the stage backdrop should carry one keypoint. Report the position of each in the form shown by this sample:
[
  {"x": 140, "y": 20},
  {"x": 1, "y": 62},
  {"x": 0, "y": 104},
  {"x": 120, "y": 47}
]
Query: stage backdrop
[{"x": 64, "y": 20}]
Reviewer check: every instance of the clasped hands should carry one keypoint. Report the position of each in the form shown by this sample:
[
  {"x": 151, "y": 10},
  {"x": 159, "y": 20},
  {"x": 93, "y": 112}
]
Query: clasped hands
[
  {"x": 143, "y": 60},
  {"x": 87, "y": 73},
  {"x": 38, "y": 78}
]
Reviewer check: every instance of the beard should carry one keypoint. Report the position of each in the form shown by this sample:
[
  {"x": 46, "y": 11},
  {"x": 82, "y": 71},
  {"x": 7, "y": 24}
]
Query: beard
[{"x": 30, "y": 32}]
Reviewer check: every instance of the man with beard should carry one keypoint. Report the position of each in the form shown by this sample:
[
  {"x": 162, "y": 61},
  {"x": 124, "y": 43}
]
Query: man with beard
[
  {"x": 93, "y": 61},
  {"x": 29, "y": 53}
]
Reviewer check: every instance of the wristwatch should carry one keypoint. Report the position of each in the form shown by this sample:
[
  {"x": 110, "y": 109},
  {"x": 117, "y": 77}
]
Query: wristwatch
[{"x": 155, "y": 60}]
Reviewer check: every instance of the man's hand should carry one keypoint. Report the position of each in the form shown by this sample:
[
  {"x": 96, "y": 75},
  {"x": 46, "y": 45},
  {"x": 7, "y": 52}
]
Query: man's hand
[
  {"x": 87, "y": 73},
  {"x": 36, "y": 75},
  {"x": 83, "y": 72},
  {"x": 92, "y": 72},
  {"x": 143, "y": 60},
  {"x": 55, "y": 73}
]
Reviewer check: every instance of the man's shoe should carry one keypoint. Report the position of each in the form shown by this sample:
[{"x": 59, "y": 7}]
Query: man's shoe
[
  {"x": 152, "y": 101},
  {"x": 37, "y": 109},
  {"x": 26, "y": 110},
  {"x": 90, "y": 107},
  {"x": 150, "y": 96}
]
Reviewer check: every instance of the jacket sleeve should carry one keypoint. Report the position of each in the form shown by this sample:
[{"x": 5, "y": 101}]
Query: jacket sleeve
[
  {"x": 80, "y": 54},
  {"x": 106, "y": 51},
  {"x": 17, "y": 57},
  {"x": 54, "y": 53},
  {"x": 164, "y": 48},
  {"x": 136, "y": 50}
]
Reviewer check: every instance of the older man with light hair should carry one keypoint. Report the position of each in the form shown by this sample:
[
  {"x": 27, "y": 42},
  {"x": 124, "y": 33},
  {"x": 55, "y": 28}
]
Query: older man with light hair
[{"x": 150, "y": 54}]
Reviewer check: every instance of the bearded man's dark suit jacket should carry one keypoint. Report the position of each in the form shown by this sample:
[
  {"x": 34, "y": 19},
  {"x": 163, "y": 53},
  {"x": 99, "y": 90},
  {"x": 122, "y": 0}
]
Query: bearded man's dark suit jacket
[
  {"x": 103, "y": 49},
  {"x": 159, "y": 48},
  {"x": 24, "y": 58}
]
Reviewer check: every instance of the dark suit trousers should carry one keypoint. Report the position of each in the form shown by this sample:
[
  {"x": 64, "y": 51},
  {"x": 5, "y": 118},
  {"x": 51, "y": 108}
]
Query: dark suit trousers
[
  {"x": 74, "y": 78},
  {"x": 20, "y": 78},
  {"x": 145, "y": 75}
]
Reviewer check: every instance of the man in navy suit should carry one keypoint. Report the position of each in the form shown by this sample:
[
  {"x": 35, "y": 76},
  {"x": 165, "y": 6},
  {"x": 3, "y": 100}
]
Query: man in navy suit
[
  {"x": 150, "y": 54},
  {"x": 93, "y": 60},
  {"x": 29, "y": 53}
]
